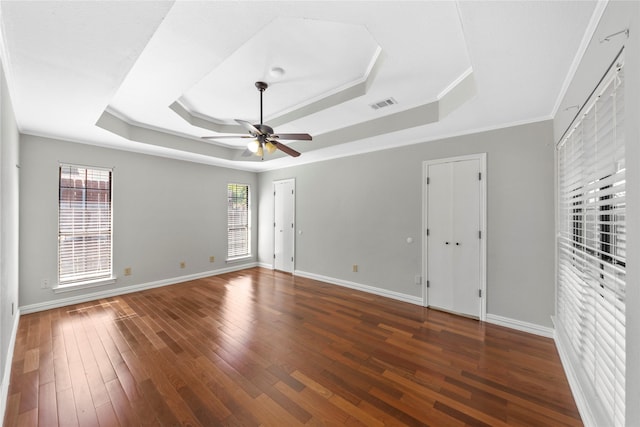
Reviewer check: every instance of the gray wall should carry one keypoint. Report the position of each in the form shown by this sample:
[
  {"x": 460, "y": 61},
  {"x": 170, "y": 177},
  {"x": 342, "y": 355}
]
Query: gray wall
[
  {"x": 9, "y": 185},
  {"x": 633, "y": 212},
  {"x": 164, "y": 212},
  {"x": 361, "y": 209},
  {"x": 599, "y": 55}
]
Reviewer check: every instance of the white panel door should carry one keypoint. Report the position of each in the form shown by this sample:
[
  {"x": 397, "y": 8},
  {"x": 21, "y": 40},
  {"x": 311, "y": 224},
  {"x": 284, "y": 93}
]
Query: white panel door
[
  {"x": 439, "y": 239},
  {"x": 453, "y": 242},
  {"x": 283, "y": 225}
]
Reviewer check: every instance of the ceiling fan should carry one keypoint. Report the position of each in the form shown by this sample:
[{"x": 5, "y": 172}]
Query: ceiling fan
[{"x": 263, "y": 136}]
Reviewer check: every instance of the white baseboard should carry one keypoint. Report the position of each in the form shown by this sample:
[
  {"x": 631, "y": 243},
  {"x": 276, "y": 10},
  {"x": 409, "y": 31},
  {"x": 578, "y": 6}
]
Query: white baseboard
[
  {"x": 360, "y": 287},
  {"x": 579, "y": 395},
  {"x": 6, "y": 377},
  {"x": 519, "y": 325},
  {"x": 91, "y": 296},
  {"x": 265, "y": 265}
]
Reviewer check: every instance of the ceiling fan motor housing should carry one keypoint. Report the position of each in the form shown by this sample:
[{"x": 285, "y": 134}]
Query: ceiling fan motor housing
[{"x": 264, "y": 129}]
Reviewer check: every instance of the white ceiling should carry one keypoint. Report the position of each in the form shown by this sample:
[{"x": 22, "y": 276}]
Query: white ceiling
[{"x": 154, "y": 77}]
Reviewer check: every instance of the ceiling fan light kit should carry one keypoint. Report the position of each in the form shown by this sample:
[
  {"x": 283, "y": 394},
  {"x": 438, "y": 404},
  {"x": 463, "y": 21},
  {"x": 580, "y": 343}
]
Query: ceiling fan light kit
[{"x": 265, "y": 138}]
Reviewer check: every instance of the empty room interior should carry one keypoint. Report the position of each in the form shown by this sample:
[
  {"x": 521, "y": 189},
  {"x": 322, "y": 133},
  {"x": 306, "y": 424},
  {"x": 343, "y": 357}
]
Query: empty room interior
[{"x": 319, "y": 213}]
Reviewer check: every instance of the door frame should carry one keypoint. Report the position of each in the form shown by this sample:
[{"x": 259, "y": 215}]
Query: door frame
[
  {"x": 482, "y": 158},
  {"x": 273, "y": 229}
]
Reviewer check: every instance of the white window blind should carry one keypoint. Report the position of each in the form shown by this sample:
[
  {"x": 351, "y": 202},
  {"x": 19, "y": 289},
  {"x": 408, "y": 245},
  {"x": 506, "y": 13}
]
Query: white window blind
[
  {"x": 84, "y": 224},
  {"x": 237, "y": 220},
  {"x": 591, "y": 247}
]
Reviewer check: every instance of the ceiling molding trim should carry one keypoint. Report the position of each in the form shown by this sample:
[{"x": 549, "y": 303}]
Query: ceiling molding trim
[
  {"x": 455, "y": 96},
  {"x": 162, "y": 138},
  {"x": 455, "y": 83},
  {"x": 331, "y": 99},
  {"x": 600, "y": 7},
  {"x": 355, "y": 151},
  {"x": 209, "y": 123},
  {"x": 151, "y": 150}
]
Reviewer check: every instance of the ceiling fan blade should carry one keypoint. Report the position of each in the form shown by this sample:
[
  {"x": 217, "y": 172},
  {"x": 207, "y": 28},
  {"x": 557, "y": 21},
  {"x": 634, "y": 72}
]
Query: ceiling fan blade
[
  {"x": 293, "y": 136},
  {"x": 286, "y": 149},
  {"x": 226, "y": 136},
  {"x": 248, "y": 126}
]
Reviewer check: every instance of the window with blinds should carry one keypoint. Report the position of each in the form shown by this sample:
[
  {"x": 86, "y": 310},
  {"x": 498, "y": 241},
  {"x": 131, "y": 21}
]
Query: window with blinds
[
  {"x": 84, "y": 224},
  {"x": 591, "y": 248},
  {"x": 238, "y": 244}
]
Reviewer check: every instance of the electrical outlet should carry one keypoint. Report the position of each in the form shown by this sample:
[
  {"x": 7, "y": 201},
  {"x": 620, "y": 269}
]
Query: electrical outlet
[
  {"x": 183, "y": 264},
  {"x": 355, "y": 268},
  {"x": 44, "y": 284},
  {"x": 212, "y": 259},
  {"x": 127, "y": 271}
]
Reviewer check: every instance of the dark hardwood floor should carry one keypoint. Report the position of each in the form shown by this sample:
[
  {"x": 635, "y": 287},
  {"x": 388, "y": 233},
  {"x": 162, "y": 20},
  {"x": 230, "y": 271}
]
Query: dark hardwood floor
[{"x": 258, "y": 347}]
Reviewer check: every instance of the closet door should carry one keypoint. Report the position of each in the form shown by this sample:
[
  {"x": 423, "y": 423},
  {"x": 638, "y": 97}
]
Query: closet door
[
  {"x": 283, "y": 225},
  {"x": 453, "y": 240}
]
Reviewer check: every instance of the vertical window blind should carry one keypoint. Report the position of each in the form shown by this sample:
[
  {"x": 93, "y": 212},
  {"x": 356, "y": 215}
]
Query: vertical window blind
[
  {"x": 84, "y": 224},
  {"x": 592, "y": 247},
  {"x": 237, "y": 220}
]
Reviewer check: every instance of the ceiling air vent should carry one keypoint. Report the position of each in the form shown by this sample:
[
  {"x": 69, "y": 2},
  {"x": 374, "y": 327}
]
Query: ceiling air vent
[{"x": 384, "y": 103}]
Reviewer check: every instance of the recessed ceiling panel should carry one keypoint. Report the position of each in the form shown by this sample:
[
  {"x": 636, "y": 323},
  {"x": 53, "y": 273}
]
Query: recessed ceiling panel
[{"x": 301, "y": 60}]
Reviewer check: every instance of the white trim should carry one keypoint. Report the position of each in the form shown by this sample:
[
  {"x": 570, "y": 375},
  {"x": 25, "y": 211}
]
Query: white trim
[
  {"x": 395, "y": 143},
  {"x": 265, "y": 265},
  {"x": 360, "y": 287},
  {"x": 582, "y": 402},
  {"x": 520, "y": 325},
  {"x": 70, "y": 287},
  {"x": 239, "y": 258},
  {"x": 482, "y": 160},
  {"x": 6, "y": 377},
  {"x": 47, "y": 305},
  {"x": 455, "y": 83},
  {"x": 586, "y": 39}
]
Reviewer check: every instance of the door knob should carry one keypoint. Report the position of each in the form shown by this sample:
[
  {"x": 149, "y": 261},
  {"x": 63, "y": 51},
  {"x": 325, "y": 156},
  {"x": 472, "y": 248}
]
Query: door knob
[
  {"x": 446, "y": 243},
  {"x": 457, "y": 243}
]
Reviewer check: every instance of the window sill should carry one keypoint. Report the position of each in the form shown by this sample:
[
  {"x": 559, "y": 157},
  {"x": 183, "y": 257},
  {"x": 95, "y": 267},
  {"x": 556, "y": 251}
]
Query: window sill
[
  {"x": 84, "y": 285},
  {"x": 238, "y": 259}
]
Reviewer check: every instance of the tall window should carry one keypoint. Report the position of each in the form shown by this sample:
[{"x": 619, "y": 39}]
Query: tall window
[
  {"x": 238, "y": 221},
  {"x": 84, "y": 224},
  {"x": 592, "y": 249}
]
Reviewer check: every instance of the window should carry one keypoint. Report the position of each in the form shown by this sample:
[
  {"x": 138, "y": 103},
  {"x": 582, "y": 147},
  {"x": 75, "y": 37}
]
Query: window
[
  {"x": 592, "y": 249},
  {"x": 84, "y": 225},
  {"x": 238, "y": 241}
]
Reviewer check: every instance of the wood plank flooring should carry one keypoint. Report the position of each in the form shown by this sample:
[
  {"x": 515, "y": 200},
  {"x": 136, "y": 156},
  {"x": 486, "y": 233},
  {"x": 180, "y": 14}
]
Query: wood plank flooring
[{"x": 258, "y": 347}]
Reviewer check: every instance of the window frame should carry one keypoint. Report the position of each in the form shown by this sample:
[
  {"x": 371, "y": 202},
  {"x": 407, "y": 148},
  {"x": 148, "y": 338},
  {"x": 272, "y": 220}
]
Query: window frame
[
  {"x": 66, "y": 283},
  {"x": 233, "y": 256},
  {"x": 591, "y": 249}
]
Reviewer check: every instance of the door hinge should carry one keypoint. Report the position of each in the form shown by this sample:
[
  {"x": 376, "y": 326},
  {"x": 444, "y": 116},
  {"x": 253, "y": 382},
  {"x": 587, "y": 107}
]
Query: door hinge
[
  {"x": 274, "y": 193},
  {"x": 479, "y": 234},
  {"x": 291, "y": 191},
  {"x": 427, "y": 231},
  {"x": 291, "y": 225},
  {"x": 479, "y": 293},
  {"x": 291, "y": 259},
  {"x": 274, "y": 256},
  {"x": 428, "y": 284},
  {"x": 428, "y": 180},
  {"x": 479, "y": 176}
]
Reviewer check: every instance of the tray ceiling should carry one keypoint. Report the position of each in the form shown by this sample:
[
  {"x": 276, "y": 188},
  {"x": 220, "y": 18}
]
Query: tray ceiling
[{"x": 155, "y": 77}]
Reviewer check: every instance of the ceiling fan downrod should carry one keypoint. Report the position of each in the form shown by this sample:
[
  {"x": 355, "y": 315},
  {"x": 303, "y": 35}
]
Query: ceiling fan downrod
[{"x": 262, "y": 86}]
